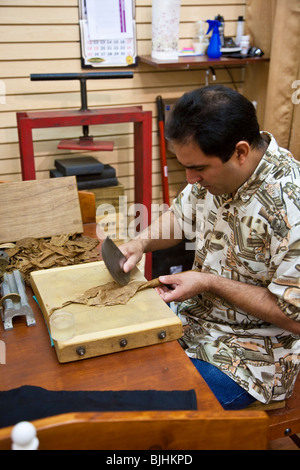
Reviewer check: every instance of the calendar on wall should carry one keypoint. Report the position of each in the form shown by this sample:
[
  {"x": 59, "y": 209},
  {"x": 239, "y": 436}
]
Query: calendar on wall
[{"x": 108, "y": 33}]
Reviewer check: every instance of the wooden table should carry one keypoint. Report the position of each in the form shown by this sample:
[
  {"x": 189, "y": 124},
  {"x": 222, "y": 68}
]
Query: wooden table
[{"x": 30, "y": 360}]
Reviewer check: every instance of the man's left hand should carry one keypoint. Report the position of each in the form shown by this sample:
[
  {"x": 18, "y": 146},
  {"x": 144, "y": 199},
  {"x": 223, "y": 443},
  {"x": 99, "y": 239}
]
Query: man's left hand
[{"x": 182, "y": 286}]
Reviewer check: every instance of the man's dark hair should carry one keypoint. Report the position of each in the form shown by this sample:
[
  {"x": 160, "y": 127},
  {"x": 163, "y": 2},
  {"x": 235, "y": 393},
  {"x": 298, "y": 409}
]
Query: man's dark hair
[{"x": 216, "y": 118}]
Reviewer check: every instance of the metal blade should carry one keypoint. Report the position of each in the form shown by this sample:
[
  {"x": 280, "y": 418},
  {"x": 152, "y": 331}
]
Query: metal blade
[{"x": 114, "y": 261}]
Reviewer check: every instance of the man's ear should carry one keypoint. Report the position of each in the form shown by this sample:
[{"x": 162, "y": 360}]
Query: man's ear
[{"x": 242, "y": 150}]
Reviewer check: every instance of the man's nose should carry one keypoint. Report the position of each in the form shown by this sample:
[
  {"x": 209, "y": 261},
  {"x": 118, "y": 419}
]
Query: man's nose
[{"x": 192, "y": 176}]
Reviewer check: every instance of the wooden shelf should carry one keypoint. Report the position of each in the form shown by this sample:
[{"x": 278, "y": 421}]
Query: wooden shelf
[{"x": 190, "y": 62}]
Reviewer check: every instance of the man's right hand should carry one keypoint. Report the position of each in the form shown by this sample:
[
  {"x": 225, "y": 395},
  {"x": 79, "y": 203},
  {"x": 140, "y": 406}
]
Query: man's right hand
[
  {"x": 159, "y": 236},
  {"x": 133, "y": 250}
]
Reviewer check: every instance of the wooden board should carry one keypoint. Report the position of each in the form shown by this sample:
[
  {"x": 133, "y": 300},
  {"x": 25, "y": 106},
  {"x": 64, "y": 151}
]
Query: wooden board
[
  {"x": 39, "y": 208},
  {"x": 99, "y": 330}
]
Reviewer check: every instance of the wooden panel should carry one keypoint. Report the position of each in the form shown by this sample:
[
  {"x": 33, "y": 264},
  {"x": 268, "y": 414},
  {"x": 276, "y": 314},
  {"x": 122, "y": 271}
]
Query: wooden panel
[
  {"x": 24, "y": 68},
  {"x": 287, "y": 417},
  {"x": 144, "y": 3},
  {"x": 156, "y": 431},
  {"x": 41, "y": 3},
  {"x": 87, "y": 203},
  {"x": 193, "y": 13},
  {"x": 36, "y": 33},
  {"x": 39, "y": 209},
  {"x": 186, "y": 31},
  {"x": 47, "y": 51},
  {"x": 143, "y": 80},
  {"x": 35, "y": 15},
  {"x": 118, "y": 97}
]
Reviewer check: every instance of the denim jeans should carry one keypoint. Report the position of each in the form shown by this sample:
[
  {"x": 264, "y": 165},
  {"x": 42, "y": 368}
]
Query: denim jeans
[{"x": 227, "y": 391}]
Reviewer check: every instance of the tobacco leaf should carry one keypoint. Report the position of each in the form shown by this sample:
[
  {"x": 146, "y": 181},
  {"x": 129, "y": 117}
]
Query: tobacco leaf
[
  {"x": 108, "y": 294},
  {"x": 33, "y": 254}
]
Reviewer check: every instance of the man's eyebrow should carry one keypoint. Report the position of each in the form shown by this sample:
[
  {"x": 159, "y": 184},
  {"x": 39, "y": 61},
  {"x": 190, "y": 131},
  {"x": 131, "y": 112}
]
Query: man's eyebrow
[{"x": 193, "y": 167}]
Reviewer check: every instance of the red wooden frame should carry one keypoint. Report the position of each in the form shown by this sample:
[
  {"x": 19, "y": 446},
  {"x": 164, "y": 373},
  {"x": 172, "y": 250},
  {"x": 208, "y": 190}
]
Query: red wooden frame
[{"x": 142, "y": 121}]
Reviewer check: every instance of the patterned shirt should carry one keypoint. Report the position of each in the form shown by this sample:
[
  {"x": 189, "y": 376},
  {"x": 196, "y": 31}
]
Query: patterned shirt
[{"x": 253, "y": 237}]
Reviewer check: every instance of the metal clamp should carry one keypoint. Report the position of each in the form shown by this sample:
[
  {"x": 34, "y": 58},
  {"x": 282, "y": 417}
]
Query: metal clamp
[
  {"x": 4, "y": 261},
  {"x": 14, "y": 301}
]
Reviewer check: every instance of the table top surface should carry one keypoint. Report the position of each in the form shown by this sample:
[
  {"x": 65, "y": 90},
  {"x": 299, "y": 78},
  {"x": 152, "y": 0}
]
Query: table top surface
[{"x": 31, "y": 360}]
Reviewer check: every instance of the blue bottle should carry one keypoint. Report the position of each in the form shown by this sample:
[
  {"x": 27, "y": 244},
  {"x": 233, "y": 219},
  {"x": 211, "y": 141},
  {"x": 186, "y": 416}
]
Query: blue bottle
[{"x": 214, "y": 48}]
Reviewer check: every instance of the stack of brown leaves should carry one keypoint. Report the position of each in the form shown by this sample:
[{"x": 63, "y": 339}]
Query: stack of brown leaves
[{"x": 33, "y": 254}]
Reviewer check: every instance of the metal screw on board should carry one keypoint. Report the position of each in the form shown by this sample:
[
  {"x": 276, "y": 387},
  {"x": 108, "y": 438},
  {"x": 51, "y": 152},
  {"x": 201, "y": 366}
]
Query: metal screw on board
[
  {"x": 162, "y": 335},
  {"x": 80, "y": 351}
]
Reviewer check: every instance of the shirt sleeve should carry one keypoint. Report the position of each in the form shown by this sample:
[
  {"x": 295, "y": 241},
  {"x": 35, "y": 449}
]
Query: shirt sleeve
[{"x": 285, "y": 284}]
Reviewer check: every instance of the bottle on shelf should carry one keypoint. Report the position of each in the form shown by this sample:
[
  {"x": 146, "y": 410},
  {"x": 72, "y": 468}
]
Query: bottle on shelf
[
  {"x": 239, "y": 30},
  {"x": 221, "y": 29},
  {"x": 200, "y": 40},
  {"x": 245, "y": 45},
  {"x": 214, "y": 48}
]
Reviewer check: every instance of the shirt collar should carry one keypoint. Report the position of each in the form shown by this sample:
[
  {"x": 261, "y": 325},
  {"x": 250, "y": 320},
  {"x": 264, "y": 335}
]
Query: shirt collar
[{"x": 246, "y": 191}]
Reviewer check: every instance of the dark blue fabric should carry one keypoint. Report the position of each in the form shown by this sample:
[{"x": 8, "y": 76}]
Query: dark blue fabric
[
  {"x": 227, "y": 391},
  {"x": 29, "y": 403}
]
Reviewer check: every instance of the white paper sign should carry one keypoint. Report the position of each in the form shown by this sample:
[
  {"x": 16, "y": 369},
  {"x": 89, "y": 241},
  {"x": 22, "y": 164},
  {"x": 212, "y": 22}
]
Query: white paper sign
[{"x": 109, "y": 19}]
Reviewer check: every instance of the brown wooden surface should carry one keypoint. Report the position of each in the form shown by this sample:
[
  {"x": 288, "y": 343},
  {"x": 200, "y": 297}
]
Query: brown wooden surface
[
  {"x": 149, "y": 431},
  {"x": 199, "y": 62},
  {"x": 87, "y": 201},
  {"x": 39, "y": 208},
  {"x": 287, "y": 418},
  {"x": 30, "y": 360}
]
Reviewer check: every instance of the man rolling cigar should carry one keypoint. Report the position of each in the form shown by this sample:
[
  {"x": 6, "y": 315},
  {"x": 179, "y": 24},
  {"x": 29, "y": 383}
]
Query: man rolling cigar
[{"x": 241, "y": 208}]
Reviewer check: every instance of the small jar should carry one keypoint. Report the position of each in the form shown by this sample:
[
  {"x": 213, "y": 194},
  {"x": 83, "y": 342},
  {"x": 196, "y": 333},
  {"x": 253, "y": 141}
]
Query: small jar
[{"x": 62, "y": 326}]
